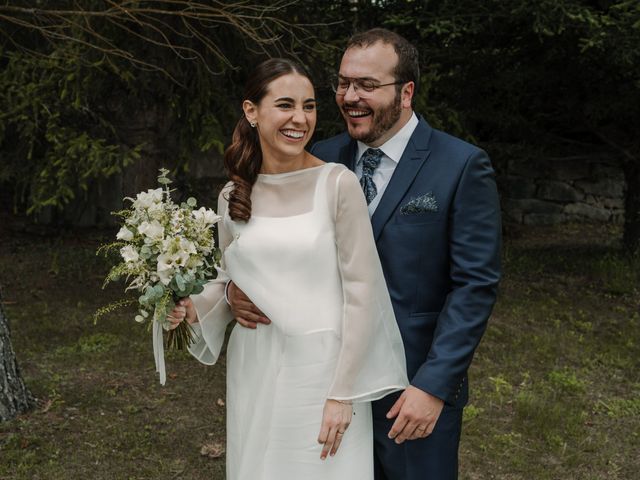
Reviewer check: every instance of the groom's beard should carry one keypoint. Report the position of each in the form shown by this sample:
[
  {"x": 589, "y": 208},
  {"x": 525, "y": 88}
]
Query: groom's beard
[{"x": 382, "y": 119}]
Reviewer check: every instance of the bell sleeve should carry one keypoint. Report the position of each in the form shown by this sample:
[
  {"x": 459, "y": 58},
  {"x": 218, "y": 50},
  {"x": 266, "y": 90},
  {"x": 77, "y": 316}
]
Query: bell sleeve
[
  {"x": 371, "y": 362},
  {"x": 212, "y": 309}
]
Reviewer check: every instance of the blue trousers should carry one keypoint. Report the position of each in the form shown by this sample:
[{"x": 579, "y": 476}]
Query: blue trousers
[{"x": 432, "y": 458}]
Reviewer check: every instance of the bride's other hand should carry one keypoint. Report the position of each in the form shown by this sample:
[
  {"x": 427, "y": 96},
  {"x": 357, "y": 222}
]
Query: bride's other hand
[
  {"x": 184, "y": 310},
  {"x": 243, "y": 309},
  {"x": 336, "y": 418}
]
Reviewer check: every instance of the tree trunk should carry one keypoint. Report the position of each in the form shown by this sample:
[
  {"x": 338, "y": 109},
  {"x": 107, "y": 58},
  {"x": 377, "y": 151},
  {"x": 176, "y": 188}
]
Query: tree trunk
[
  {"x": 631, "y": 237},
  {"x": 15, "y": 398}
]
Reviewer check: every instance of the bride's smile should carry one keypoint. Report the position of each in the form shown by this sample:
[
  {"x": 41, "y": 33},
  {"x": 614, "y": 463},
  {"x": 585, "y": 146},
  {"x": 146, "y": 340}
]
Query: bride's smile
[{"x": 285, "y": 120}]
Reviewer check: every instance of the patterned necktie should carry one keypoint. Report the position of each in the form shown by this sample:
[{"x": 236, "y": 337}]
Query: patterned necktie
[{"x": 370, "y": 161}]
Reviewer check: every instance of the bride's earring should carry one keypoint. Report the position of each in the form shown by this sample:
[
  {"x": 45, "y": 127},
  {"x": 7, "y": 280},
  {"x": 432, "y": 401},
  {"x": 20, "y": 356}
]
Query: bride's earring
[{"x": 253, "y": 124}]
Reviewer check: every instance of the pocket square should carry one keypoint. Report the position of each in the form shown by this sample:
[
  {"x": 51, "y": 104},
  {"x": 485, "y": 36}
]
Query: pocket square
[{"x": 423, "y": 203}]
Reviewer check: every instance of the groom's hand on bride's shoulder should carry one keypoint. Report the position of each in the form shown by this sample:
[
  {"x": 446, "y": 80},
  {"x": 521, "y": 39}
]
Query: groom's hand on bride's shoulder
[
  {"x": 243, "y": 309},
  {"x": 416, "y": 413}
]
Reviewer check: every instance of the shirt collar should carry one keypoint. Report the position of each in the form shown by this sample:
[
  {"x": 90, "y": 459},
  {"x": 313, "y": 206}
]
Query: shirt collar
[{"x": 396, "y": 145}]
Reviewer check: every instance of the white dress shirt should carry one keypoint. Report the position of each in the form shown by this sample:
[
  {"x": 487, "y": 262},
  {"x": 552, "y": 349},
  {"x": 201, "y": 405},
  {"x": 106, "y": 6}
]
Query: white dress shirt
[{"x": 392, "y": 151}]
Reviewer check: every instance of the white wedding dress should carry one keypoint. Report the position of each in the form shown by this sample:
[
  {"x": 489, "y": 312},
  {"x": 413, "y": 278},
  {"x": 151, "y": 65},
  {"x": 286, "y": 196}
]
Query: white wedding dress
[{"x": 307, "y": 259}]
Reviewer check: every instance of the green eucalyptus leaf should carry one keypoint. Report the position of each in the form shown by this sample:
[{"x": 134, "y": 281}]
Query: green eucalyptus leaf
[{"x": 159, "y": 290}]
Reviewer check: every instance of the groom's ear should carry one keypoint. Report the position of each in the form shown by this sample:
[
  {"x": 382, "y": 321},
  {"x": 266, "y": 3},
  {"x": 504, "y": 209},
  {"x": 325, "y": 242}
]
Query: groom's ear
[
  {"x": 406, "y": 94},
  {"x": 250, "y": 110}
]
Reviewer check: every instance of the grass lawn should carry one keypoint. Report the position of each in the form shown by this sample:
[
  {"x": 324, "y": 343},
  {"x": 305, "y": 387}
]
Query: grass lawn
[{"x": 555, "y": 386}]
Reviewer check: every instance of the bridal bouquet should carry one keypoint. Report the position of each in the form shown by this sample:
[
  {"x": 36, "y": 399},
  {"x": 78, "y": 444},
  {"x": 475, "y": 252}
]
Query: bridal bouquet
[{"x": 167, "y": 251}]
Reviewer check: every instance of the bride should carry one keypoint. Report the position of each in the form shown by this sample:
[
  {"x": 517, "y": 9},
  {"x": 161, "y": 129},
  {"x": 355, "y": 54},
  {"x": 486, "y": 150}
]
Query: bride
[{"x": 296, "y": 238}]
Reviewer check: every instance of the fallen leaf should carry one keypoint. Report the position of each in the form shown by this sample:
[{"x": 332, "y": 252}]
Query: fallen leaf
[
  {"x": 212, "y": 450},
  {"x": 46, "y": 406}
]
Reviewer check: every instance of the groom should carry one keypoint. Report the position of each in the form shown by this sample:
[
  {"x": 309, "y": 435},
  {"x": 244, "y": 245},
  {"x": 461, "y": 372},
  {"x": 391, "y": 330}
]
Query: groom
[{"x": 436, "y": 220}]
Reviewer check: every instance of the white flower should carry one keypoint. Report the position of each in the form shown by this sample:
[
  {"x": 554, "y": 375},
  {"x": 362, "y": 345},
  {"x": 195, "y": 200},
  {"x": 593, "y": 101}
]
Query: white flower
[
  {"x": 148, "y": 198},
  {"x": 177, "y": 217},
  {"x": 152, "y": 230},
  {"x": 125, "y": 234},
  {"x": 164, "y": 269},
  {"x": 167, "y": 264},
  {"x": 132, "y": 220},
  {"x": 156, "y": 210},
  {"x": 175, "y": 255},
  {"x": 129, "y": 254},
  {"x": 188, "y": 247},
  {"x": 206, "y": 215},
  {"x": 194, "y": 262},
  {"x": 178, "y": 247}
]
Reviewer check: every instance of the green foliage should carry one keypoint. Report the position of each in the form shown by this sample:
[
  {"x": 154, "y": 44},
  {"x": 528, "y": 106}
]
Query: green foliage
[
  {"x": 619, "y": 407},
  {"x": 96, "y": 343},
  {"x": 112, "y": 307},
  {"x": 56, "y": 140},
  {"x": 527, "y": 79},
  {"x": 619, "y": 274},
  {"x": 471, "y": 412},
  {"x": 566, "y": 382},
  {"x": 541, "y": 412},
  {"x": 113, "y": 89},
  {"x": 502, "y": 387}
]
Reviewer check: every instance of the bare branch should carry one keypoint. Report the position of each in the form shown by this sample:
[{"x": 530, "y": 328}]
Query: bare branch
[
  {"x": 183, "y": 27},
  {"x": 626, "y": 154}
]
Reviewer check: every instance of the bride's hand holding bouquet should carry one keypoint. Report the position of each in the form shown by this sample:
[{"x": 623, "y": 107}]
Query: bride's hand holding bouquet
[{"x": 167, "y": 252}]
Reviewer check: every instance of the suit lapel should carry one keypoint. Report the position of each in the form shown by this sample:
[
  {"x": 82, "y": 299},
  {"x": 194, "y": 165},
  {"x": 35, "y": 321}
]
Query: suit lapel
[
  {"x": 413, "y": 157},
  {"x": 347, "y": 155}
]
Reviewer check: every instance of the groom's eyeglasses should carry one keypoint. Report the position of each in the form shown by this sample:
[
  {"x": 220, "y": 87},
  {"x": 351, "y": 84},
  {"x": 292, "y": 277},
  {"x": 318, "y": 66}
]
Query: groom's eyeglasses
[{"x": 362, "y": 86}]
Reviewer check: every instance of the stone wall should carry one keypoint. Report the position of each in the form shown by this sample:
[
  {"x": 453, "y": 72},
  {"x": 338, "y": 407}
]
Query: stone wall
[{"x": 561, "y": 191}]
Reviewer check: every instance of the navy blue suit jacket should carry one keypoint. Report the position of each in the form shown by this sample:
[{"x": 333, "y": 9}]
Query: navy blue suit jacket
[{"x": 441, "y": 264}]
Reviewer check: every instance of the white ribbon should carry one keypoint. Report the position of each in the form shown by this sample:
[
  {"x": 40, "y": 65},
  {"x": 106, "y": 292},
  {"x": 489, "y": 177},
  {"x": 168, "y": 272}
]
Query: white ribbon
[{"x": 158, "y": 351}]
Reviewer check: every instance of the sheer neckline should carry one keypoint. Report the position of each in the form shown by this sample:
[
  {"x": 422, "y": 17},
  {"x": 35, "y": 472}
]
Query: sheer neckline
[{"x": 267, "y": 177}]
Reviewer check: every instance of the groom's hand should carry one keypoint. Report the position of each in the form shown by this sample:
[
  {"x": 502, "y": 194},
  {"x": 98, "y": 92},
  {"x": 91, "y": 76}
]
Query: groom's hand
[
  {"x": 416, "y": 413},
  {"x": 243, "y": 309}
]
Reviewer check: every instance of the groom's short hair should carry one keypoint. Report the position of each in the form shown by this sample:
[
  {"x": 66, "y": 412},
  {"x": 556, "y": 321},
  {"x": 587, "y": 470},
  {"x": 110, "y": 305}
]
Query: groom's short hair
[{"x": 408, "y": 67}]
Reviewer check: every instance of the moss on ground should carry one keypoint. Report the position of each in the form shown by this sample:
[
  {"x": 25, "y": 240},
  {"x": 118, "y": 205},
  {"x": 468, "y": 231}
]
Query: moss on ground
[{"x": 554, "y": 386}]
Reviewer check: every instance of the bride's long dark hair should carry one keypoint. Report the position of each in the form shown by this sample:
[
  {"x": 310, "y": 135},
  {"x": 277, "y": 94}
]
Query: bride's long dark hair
[{"x": 243, "y": 158}]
